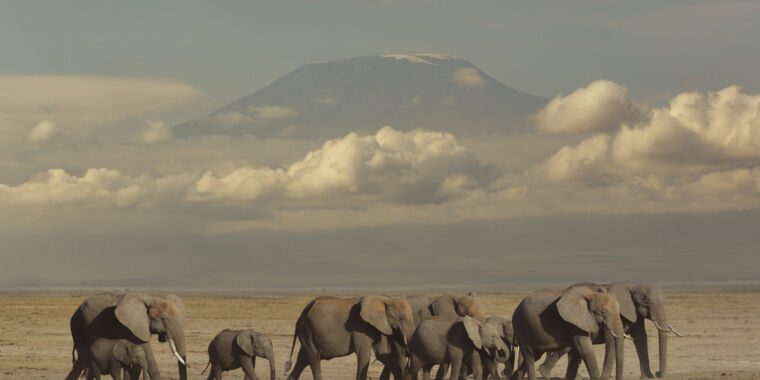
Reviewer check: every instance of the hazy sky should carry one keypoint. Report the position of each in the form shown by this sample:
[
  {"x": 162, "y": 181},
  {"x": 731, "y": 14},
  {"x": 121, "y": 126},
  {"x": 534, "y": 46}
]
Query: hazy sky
[{"x": 645, "y": 164}]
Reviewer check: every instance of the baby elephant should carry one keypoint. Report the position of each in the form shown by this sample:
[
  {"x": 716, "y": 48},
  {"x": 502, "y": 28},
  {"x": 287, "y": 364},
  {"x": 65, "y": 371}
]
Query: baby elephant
[
  {"x": 233, "y": 349},
  {"x": 464, "y": 341},
  {"x": 112, "y": 356}
]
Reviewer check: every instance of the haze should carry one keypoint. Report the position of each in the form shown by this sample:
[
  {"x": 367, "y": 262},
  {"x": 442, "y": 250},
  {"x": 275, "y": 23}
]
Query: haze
[{"x": 481, "y": 144}]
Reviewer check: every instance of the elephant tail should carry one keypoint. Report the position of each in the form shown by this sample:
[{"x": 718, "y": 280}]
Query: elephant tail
[
  {"x": 301, "y": 319},
  {"x": 207, "y": 364}
]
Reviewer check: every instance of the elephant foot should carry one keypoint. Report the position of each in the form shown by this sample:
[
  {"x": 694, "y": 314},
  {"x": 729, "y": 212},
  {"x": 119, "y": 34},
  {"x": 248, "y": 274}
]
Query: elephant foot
[
  {"x": 660, "y": 375},
  {"x": 545, "y": 372},
  {"x": 650, "y": 376}
]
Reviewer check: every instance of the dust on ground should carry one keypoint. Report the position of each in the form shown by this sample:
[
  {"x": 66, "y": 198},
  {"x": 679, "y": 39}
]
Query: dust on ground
[{"x": 721, "y": 335}]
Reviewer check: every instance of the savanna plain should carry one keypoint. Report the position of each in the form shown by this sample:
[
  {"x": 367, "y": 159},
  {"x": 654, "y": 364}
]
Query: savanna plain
[{"x": 721, "y": 331}]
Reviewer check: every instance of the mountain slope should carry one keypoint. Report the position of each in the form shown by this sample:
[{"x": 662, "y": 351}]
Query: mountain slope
[{"x": 365, "y": 93}]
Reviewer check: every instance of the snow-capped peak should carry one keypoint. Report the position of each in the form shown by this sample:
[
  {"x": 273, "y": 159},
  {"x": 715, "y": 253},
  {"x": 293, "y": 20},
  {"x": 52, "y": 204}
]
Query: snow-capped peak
[{"x": 419, "y": 58}]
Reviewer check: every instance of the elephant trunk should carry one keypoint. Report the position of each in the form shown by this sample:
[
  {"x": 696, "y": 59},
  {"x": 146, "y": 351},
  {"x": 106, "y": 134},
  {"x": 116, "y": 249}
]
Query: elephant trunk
[
  {"x": 619, "y": 358},
  {"x": 272, "y": 366},
  {"x": 176, "y": 339},
  {"x": 660, "y": 320}
]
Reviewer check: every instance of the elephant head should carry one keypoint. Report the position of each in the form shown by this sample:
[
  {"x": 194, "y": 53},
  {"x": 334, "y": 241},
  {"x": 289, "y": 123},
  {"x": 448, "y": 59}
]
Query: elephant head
[
  {"x": 131, "y": 355},
  {"x": 450, "y": 306},
  {"x": 485, "y": 337},
  {"x": 144, "y": 315},
  {"x": 255, "y": 344},
  {"x": 389, "y": 315},
  {"x": 506, "y": 332},
  {"x": 646, "y": 301},
  {"x": 589, "y": 309}
]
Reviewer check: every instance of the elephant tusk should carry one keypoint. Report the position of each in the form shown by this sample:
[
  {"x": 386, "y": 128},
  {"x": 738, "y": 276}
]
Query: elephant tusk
[
  {"x": 626, "y": 336},
  {"x": 673, "y": 330},
  {"x": 613, "y": 333},
  {"x": 659, "y": 327},
  {"x": 176, "y": 354}
]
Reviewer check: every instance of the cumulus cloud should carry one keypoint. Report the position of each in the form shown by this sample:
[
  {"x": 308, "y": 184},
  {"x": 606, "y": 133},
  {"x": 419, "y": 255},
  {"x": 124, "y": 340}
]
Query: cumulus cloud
[
  {"x": 600, "y": 106},
  {"x": 96, "y": 188},
  {"x": 155, "y": 132},
  {"x": 42, "y": 132},
  {"x": 415, "y": 166},
  {"x": 468, "y": 77}
]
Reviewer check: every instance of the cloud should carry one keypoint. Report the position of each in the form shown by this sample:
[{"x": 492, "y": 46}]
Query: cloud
[
  {"x": 155, "y": 132},
  {"x": 602, "y": 105},
  {"x": 270, "y": 113},
  {"x": 415, "y": 166},
  {"x": 571, "y": 162},
  {"x": 80, "y": 102},
  {"x": 468, "y": 77},
  {"x": 42, "y": 132},
  {"x": 96, "y": 188},
  {"x": 232, "y": 119}
]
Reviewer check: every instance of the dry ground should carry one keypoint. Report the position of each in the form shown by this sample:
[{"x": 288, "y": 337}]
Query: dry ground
[{"x": 721, "y": 334}]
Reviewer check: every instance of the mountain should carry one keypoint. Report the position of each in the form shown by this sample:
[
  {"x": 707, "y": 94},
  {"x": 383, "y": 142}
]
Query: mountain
[{"x": 329, "y": 99}]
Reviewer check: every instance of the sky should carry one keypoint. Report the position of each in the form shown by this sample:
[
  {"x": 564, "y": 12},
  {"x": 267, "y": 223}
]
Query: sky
[{"x": 644, "y": 165}]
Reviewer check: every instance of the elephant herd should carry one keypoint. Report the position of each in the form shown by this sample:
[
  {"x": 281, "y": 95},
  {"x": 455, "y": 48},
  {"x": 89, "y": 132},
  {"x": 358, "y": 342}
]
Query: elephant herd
[{"x": 407, "y": 335}]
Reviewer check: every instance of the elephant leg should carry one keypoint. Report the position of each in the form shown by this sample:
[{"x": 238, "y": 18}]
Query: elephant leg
[
  {"x": 426, "y": 371},
  {"x": 363, "y": 356},
  {"x": 414, "y": 368},
  {"x": 442, "y": 369},
  {"x": 529, "y": 363},
  {"x": 475, "y": 365},
  {"x": 551, "y": 360},
  {"x": 639, "y": 334},
  {"x": 216, "y": 372},
  {"x": 301, "y": 363},
  {"x": 115, "y": 373},
  {"x": 585, "y": 347},
  {"x": 573, "y": 364},
  {"x": 456, "y": 365},
  {"x": 80, "y": 365},
  {"x": 385, "y": 374},
  {"x": 248, "y": 364},
  {"x": 153, "y": 371}
]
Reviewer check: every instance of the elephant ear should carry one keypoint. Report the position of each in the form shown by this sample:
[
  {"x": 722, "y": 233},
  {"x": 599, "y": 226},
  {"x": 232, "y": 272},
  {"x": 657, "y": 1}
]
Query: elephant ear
[
  {"x": 625, "y": 298},
  {"x": 444, "y": 306},
  {"x": 472, "y": 327},
  {"x": 573, "y": 307},
  {"x": 244, "y": 340},
  {"x": 132, "y": 312},
  {"x": 121, "y": 353},
  {"x": 373, "y": 312}
]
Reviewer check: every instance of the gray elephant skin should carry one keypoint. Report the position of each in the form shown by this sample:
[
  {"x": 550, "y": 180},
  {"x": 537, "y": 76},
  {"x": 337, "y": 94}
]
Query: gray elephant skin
[
  {"x": 447, "y": 306},
  {"x": 638, "y": 302},
  {"x": 443, "y": 342},
  {"x": 548, "y": 321},
  {"x": 114, "y": 357},
  {"x": 331, "y": 327},
  {"x": 233, "y": 349},
  {"x": 507, "y": 335},
  {"x": 133, "y": 317}
]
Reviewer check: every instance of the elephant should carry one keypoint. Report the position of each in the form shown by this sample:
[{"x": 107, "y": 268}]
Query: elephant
[
  {"x": 443, "y": 342},
  {"x": 331, "y": 327},
  {"x": 133, "y": 317},
  {"x": 447, "y": 306},
  {"x": 507, "y": 335},
  {"x": 638, "y": 302},
  {"x": 547, "y": 321},
  {"x": 114, "y": 356},
  {"x": 233, "y": 349}
]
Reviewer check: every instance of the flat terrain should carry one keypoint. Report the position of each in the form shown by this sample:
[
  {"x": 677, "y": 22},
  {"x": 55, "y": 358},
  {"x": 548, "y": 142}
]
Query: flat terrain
[{"x": 721, "y": 334}]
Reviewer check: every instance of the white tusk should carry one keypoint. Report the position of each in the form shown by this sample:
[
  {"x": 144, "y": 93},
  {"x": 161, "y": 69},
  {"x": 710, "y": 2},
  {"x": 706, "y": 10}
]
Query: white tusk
[
  {"x": 626, "y": 336},
  {"x": 673, "y": 330},
  {"x": 176, "y": 354}
]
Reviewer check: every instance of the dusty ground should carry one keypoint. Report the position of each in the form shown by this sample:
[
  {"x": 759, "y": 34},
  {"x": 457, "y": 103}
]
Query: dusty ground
[{"x": 721, "y": 334}]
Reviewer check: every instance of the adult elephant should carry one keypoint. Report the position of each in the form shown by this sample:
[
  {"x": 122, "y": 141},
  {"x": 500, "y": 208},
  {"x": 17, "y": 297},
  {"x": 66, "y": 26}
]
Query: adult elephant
[
  {"x": 638, "y": 302},
  {"x": 548, "y": 321},
  {"x": 133, "y": 317},
  {"x": 448, "y": 307},
  {"x": 331, "y": 327}
]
